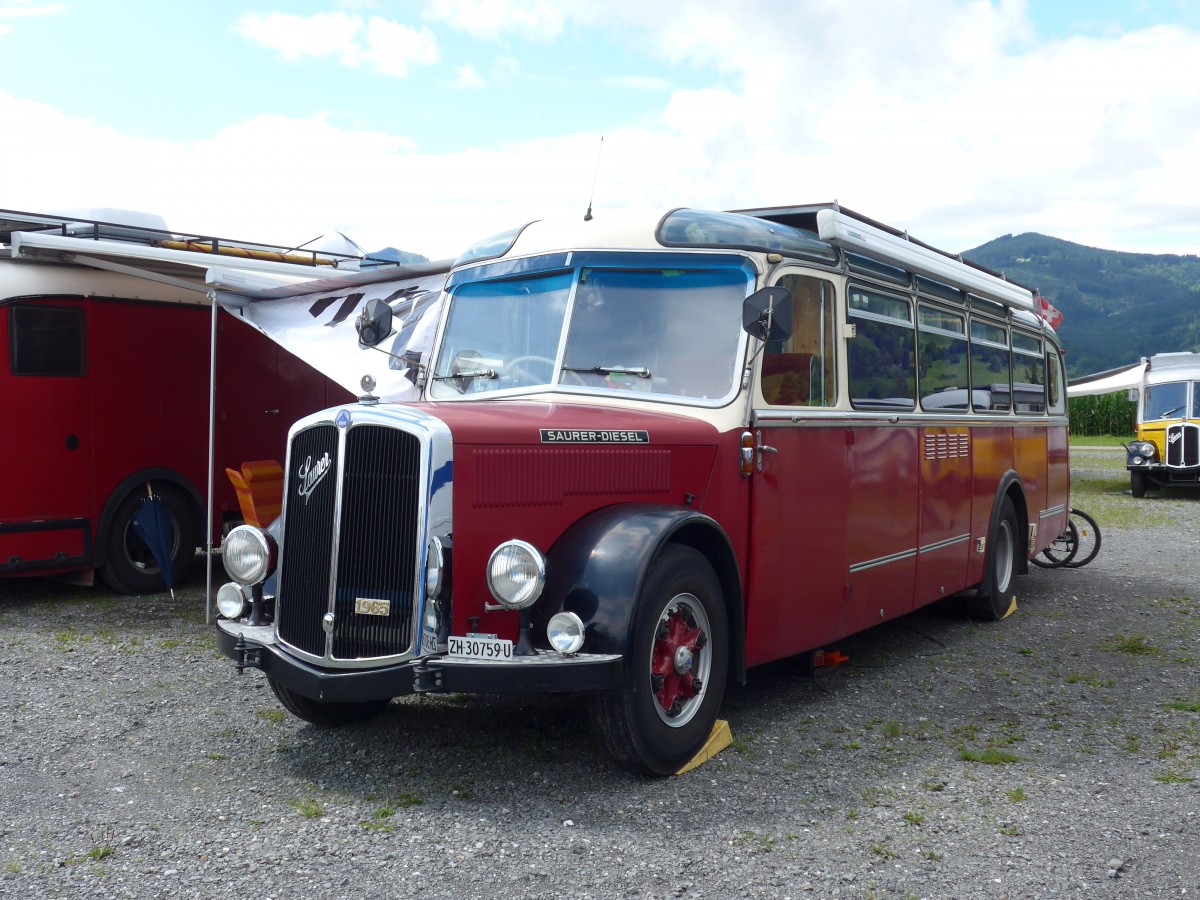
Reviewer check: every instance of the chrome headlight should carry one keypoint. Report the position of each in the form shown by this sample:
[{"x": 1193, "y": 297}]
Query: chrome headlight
[
  {"x": 565, "y": 633},
  {"x": 232, "y": 601},
  {"x": 1145, "y": 449},
  {"x": 516, "y": 574},
  {"x": 435, "y": 561},
  {"x": 249, "y": 554}
]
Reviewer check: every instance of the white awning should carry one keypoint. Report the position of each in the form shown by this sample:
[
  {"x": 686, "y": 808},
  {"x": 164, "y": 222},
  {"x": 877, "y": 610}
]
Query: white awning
[{"x": 1107, "y": 382}]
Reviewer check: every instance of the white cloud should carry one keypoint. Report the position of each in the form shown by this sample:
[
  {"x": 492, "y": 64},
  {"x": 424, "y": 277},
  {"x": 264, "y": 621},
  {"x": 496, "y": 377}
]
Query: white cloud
[
  {"x": 386, "y": 46},
  {"x": 468, "y": 77},
  {"x": 942, "y": 117},
  {"x": 638, "y": 83},
  {"x": 541, "y": 20},
  {"x": 27, "y": 10}
]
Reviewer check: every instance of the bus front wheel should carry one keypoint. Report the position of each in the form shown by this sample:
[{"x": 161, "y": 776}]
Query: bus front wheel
[
  {"x": 325, "y": 713},
  {"x": 677, "y": 668},
  {"x": 1138, "y": 483}
]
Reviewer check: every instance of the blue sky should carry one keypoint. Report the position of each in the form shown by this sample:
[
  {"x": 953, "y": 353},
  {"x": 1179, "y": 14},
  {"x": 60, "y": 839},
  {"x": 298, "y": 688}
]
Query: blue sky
[{"x": 428, "y": 125}]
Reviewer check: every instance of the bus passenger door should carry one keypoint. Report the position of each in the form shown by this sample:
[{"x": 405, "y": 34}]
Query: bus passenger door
[{"x": 796, "y": 579}]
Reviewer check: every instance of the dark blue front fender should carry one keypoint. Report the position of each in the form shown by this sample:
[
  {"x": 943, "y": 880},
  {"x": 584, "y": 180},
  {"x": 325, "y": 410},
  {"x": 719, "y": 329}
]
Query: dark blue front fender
[{"x": 598, "y": 567}]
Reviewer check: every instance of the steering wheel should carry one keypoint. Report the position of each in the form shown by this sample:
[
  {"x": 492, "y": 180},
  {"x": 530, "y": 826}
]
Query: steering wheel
[{"x": 516, "y": 369}]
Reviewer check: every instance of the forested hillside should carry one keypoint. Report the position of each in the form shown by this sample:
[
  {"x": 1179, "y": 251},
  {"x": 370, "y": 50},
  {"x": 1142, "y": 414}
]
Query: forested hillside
[{"x": 1117, "y": 307}]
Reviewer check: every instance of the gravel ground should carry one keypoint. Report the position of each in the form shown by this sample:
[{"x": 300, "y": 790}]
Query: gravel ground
[{"x": 1056, "y": 753}]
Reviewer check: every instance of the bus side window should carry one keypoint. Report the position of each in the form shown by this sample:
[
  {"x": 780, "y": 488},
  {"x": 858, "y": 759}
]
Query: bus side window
[
  {"x": 1054, "y": 383},
  {"x": 46, "y": 340},
  {"x": 800, "y": 370},
  {"x": 882, "y": 356}
]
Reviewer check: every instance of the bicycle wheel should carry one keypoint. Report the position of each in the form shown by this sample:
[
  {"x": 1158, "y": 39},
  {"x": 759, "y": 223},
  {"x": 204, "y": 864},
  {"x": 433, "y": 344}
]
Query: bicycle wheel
[
  {"x": 1061, "y": 552},
  {"x": 1088, "y": 543}
]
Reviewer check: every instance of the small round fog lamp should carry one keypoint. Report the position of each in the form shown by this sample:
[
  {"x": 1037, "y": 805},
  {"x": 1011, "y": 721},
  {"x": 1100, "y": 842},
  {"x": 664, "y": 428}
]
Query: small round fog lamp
[
  {"x": 231, "y": 601},
  {"x": 516, "y": 574},
  {"x": 565, "y": 632}
]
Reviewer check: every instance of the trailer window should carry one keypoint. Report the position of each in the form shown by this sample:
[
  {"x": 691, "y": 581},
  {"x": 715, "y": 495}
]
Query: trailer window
[
  {"x": 800, "y": 370},
  {"x": 880, "y": 357},
  {"x": 1054, "y": 383},
  {"x": 46, "y": 340},
  {"x": 1029, "y": 374}
]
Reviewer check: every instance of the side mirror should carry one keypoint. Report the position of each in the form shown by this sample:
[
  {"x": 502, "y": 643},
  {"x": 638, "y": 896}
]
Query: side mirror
[
  {"x": 767, "y": 314},
  {"x": 1133, "y": 395},
  {"x": 374, "y": 323}
]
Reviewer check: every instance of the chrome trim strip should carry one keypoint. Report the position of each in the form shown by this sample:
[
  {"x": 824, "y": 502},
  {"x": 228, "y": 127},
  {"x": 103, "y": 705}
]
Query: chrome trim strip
[
  {"x": 542, "y": 658},
  {"x": 825, "y": 418},
  {"x": 1053, "y": 511},
  {"x": 882, "y": 561},
  {"x": 942, "y": 545}
]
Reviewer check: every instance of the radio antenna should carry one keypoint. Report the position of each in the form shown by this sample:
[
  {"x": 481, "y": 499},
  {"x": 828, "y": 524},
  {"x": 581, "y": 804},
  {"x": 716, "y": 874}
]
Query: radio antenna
[{"x": 587, "y": 216}]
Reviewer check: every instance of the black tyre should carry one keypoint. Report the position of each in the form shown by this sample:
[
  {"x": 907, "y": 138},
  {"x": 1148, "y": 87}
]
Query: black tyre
[
  {"x": 995, "y": 596},
  {"x": 1138, "y": 482},
  {"x": 1088, "y": 544},
  {"x": 1062, "y": 551},
  {"x": 129, "y": 565},
  {"x": 677, "y": 671},
  {"x": 322, "y": 712}
]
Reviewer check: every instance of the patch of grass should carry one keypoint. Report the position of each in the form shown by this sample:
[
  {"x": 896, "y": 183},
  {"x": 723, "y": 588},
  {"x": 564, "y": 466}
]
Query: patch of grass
[
  {"x": 892, "y": 729},
  {"x": 1017, "y": 795},
  {"x": 1184, "y": 706},
  {"x": 1026, "y": 651},
  {"x": 100, "y": 852},
  {"x": 883, "y": 851},
  {"x": 932, "y": 855},
  {"x": 308, "y": 807},
  {"x": 992, "y": 756},
  {"x": 275, "y": 716},
  {"x": 12, "y": 866},
  {"x": 912, "y": 817},
  {"x": 1172, "y": 778},
  {"x": 171, "y": 643},
  {"x": 1134, "y": 645},
  {"x": 213, "y": 754},
  {"x": 1092, "y": 680},
  {"x": 1010, "y": 830}
]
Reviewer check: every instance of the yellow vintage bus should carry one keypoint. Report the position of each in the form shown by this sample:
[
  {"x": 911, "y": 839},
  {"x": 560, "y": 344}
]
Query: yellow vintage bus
[{"x": 1166, "y": 451}]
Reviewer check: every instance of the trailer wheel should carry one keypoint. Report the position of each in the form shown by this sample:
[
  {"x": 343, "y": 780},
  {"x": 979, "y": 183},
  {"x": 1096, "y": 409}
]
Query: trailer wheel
[
  {"x": 323, "y": 712},
  {"x": 129, "y": 566},
  {"x": 677, "y": 669},
  {"x": 996, "y": 594},
  {"x": 1138, "y": 483}
]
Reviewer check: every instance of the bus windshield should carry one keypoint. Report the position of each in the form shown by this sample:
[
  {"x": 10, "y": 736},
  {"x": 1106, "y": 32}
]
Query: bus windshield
[
  {"x": 1165, "y": 401},
  {"x": 672, "y": 332}
]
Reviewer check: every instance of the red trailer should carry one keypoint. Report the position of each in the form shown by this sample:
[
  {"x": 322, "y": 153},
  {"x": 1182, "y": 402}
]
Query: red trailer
[{"x": 104, "y": 392}]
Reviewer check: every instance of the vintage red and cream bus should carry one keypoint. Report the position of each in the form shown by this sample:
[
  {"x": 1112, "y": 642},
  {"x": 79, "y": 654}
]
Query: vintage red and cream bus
[
  {"x": 104, "y": 389},
  {"x": 649, "y": 456}
]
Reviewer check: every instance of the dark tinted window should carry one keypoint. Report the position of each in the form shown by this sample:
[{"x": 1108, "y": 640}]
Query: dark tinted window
[{"x": 46, "y": 340}]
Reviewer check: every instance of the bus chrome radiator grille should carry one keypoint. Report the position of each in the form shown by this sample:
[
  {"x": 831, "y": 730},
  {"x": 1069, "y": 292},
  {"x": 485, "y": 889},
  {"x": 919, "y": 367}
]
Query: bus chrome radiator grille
[
  {"x": 308, "y": 537},
  {"x": 381, "y": 536},
  {"x": 1183, "y": 446}
]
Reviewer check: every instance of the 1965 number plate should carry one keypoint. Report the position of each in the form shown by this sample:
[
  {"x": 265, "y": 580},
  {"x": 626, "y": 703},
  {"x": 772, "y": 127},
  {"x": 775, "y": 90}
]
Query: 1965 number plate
[{"x": 480, "y": 647}]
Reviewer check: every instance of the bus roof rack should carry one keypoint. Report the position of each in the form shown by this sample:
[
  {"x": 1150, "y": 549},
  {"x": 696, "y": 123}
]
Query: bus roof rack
[{"x": 857, "y": 233}]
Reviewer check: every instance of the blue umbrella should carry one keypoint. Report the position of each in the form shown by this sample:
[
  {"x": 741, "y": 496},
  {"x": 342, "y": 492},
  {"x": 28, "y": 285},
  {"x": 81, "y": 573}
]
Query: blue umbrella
[{"x": 152, "y": 523}]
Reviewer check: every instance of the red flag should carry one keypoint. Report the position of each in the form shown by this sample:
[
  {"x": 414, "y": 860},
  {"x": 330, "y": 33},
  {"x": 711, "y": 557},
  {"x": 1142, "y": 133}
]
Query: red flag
[{"x": 1048, "y": 312}]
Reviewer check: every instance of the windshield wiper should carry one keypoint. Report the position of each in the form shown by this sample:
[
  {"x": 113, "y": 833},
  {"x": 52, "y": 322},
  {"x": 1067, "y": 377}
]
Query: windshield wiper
[
  {"x": 639, "y": 371},
  {"x": 473, "y": 373}
]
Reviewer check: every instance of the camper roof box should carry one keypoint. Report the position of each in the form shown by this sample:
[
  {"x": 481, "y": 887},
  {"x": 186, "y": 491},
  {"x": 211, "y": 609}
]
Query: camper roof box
[{"x": 105, "y": 222}]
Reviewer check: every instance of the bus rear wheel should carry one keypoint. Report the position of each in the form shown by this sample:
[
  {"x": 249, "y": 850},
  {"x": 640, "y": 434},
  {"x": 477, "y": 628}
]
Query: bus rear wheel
[
  {"x": 677, "y": 668},
  {"x": 996, "y": 594},
  {"x": 129, "y": 566}
]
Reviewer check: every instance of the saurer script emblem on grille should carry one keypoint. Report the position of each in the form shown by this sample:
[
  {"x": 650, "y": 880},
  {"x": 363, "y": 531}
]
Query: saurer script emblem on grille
[{"x": 310, "y": 475}]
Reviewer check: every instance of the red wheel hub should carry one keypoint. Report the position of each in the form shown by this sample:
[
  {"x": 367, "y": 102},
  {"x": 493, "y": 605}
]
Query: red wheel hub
[{"x": 676, "y": 645}]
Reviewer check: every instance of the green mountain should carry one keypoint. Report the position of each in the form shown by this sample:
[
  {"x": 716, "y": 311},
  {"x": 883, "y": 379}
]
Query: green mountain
[
  {"x": 391, "y": 254},
  {"x": 1117, "y": 307}
]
